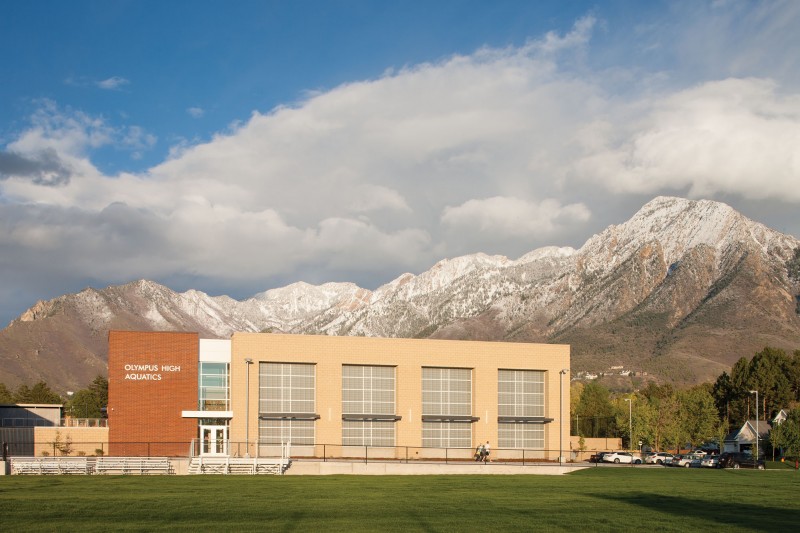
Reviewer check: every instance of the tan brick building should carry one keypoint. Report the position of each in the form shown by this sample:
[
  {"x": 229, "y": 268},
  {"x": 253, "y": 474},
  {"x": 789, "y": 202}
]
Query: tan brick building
[{"x": 351, "y": 396}]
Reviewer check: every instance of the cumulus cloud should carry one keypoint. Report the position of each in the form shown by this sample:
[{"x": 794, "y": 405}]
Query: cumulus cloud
[
  {"x": 196, "y": 112},
  {"x": 733, "y": 136},
  {"x": 42, "y": 168},
  {"x": 500, "y": 151},
  {"x": 502, "y": 217},
  {"x": 60, "y": 142}
]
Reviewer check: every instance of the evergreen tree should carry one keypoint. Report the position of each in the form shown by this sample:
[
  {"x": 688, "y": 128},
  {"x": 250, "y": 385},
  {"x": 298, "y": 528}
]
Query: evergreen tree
[
  {"x": 39, "y": 393},
  {"x": 89, "y": 402},
  {"x": 722, "y": 392}
]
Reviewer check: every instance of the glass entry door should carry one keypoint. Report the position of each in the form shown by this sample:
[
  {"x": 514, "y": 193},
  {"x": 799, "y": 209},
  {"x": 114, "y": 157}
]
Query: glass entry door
[{"x": 213, "y": 440}]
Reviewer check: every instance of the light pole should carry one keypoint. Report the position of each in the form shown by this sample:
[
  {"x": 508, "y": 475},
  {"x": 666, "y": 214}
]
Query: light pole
[
  {"x": 562, "y": 373},
  {"x": 757, "y": 434},
  {"x": 69, "y": 395},
  {"x": 247, "y": 363},
  {"x": 630, "y": 423}
]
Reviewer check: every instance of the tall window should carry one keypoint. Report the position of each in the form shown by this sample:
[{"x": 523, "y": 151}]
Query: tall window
[
  {"x": 215, "y": 390},
  {"x": 520, "y": 396},
  {"x": 286, "y": 403},
  {"x": 446, "y": 407},
  {"x": 368, "y": 405}
]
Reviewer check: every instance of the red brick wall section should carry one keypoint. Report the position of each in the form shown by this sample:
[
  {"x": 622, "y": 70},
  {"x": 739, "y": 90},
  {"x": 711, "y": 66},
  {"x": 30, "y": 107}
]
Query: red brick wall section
[{"x": 152, "y": 377}]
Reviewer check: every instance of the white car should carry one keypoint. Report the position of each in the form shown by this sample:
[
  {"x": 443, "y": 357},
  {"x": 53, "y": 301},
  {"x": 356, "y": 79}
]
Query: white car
[
  {"x": 660, "y": 458},
  {"x": 621, "y": 457}
]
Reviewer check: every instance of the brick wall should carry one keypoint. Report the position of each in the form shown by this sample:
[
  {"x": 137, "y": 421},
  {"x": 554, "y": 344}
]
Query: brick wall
[{"x": 152, "y": 378}]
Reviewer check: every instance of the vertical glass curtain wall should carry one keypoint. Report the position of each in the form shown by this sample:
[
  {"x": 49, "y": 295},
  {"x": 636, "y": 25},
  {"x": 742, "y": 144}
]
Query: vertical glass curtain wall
[
  {"x": 447, "y": 405},
  {"x": 368, "y": 405},
  {"x": 520, "y": 393},
  {"x": 286, "y": 403},
  {"x": 215, "y": 389}
]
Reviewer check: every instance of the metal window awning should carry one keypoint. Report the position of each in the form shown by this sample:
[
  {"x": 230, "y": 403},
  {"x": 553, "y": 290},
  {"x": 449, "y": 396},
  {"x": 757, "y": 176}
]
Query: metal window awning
[
  {"x": 288, "y": 416},
  {"x": 207, "y": 414},
  {"x": 376, "y": 418},
  {"x": 525, "y": 419},
  {"x": 449, "y": 418}
]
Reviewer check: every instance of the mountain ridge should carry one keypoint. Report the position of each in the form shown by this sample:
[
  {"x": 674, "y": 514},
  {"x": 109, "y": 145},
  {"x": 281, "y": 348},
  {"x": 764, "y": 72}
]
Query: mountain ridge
[{"x": 652, "y": 293}]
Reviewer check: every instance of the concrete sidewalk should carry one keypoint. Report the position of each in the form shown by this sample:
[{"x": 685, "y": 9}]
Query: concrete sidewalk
[{"x": 320, "y": 468}]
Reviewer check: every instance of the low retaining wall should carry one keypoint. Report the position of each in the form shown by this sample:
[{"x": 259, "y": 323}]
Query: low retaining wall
[
  {"x": 82, "y": 440},
  {"x": 592, "y": 446}
]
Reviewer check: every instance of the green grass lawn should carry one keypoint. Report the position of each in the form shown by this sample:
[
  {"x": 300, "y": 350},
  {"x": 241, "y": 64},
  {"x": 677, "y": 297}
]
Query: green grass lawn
[{"x": 598, "y": 499}]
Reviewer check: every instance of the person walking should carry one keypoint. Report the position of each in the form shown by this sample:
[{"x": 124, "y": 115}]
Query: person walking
[{"x": 486, "y": 452}]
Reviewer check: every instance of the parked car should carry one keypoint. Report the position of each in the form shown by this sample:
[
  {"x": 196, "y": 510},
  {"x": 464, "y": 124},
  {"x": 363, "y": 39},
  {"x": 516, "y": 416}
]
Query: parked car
[
  {"x": 660, "y": 458},
  {"x": 710, "y": 461},
  {"x": 740, "y": 460},
  {"x": 597, "y": 457},
  {"x": 686, "y": 460},
  {"x": 621, "y": 457}
]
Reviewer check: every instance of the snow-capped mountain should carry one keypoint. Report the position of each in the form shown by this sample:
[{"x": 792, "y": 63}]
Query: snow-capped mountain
[{"x": 681, "y": 290}]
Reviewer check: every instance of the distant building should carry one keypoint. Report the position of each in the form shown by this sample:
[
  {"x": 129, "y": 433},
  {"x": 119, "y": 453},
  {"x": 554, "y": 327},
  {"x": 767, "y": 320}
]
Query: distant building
[{"x": 744, "y": 439}]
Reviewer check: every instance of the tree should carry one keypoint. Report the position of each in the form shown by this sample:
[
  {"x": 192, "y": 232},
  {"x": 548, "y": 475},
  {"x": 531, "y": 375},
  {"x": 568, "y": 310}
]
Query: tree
[
  {"x": 699, "y": 415},
  {"x": 89, "y": 402},
  {"x": 39, "y": 393},
  {"x": 663, "y": 412},
  {"x": 739, "y": 399},
  {"x": 722, "y": 392},
  {"x": 769, "y": 369},
  {"x": 596, "y": 412},
  {"x": 99, "y": 389},
  {"x": 786, "y": 436}
]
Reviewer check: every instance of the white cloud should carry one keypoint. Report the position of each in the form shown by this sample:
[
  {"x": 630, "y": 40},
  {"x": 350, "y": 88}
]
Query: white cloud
[
  {"x": 196, "y": 112},
  {"x": 734, "y": 136},
  {"x": 73, "y": 135},
  {"x": 112, "y": 83},
  {"x": 502, "y": 217},
  {"x": 500, "y": 151}
]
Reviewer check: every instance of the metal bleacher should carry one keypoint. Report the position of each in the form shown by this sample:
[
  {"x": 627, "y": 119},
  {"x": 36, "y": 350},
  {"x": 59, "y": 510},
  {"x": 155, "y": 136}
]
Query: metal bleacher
[{"x": 90, "y": 465}]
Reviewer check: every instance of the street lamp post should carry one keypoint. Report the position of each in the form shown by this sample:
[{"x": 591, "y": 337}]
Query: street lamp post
[
  {"x": 757, "y": 433},
  {"x": 562, "y": 373},
  {"x": 69, "y": 395},
  {"x": 630, "y": 423},
  {"x": 247, "y": 363}
]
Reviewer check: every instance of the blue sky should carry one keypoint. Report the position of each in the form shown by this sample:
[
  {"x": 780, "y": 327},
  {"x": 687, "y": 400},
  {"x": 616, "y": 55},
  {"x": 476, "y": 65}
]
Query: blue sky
[{"x": 234, "y": 147}]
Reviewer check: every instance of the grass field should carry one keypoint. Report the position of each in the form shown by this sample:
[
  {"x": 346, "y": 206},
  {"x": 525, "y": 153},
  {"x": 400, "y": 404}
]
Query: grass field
[{"x": 598, "y": 499}]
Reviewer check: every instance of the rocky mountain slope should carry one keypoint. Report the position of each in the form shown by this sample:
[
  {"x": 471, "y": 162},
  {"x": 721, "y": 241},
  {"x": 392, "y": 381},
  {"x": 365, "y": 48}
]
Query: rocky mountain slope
[{"x": 680, "y": 291}]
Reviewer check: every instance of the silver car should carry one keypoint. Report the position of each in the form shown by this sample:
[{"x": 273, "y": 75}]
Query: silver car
[
  {"x": 660, "y": 458},
  {"x": 710, "y": 461}
]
